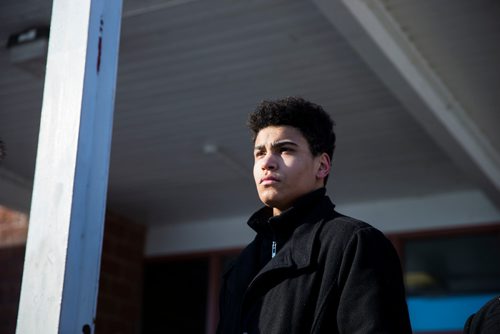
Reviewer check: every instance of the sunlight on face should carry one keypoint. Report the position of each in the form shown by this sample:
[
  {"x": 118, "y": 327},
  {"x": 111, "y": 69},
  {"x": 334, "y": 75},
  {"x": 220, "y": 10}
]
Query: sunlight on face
[{"x": 284, "y": 167}]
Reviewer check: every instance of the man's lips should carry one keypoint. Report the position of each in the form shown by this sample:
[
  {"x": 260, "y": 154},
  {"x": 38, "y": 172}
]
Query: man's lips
[{"x": 268, "y": 180}]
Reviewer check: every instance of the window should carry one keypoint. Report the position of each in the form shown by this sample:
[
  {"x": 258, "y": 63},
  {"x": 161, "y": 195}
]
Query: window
[
  {"x": 449, "y": 274},
  {"x": 460, "y": 264}
]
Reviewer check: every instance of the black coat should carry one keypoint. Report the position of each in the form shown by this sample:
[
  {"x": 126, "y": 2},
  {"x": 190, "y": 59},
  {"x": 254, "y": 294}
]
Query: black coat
[
  {"x": 486, "y": 320},
  {"x": 331, "y": 274}
]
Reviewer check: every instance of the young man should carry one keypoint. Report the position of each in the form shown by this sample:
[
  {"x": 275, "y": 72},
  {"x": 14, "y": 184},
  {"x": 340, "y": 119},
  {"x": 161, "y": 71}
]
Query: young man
[{"x": 309, "y": 269}]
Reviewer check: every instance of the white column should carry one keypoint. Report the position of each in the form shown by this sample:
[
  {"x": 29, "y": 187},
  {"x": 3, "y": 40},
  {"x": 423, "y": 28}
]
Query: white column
[{"x": 61, "y": 270}]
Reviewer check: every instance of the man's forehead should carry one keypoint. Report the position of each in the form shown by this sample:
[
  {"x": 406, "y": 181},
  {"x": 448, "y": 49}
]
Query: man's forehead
[{"x": 279, "y": 133}]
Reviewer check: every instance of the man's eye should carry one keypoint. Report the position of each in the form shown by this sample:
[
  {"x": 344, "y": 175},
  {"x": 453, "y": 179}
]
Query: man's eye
[
  {"x": 259, "y": 154},
  {"x": 286, "y": 149}
]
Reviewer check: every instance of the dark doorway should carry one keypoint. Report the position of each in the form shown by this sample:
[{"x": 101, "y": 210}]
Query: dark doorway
[{"x": 175, "y": 297}]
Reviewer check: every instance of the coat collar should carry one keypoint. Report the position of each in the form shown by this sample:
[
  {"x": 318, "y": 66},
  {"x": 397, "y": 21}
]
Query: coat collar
[
  {"x": 299, "y": 225},
  {"x": 297, "y": 253},
  {"x": 263, "y": 222}
]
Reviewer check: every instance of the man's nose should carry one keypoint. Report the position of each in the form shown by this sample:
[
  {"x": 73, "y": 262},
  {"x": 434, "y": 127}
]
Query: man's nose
[{"x": 269, "y": 162}]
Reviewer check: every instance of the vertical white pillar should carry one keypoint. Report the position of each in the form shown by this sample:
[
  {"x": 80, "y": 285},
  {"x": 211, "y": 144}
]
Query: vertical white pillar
[{"x": 61, "y": 270}]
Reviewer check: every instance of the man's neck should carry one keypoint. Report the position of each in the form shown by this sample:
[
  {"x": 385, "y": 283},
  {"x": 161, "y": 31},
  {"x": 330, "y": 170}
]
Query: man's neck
[{"x": 278, "y": 211}]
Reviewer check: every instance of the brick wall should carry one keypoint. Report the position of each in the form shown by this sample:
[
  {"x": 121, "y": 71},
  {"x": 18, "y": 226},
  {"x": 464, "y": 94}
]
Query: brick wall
[
  {"x": 13, "y": 227},
  {"x": 11, "y": 264},
  {"x": 120, "y": 292},
  {"x": 119, "y": 304},
  {"x": 13, "y": 231}
]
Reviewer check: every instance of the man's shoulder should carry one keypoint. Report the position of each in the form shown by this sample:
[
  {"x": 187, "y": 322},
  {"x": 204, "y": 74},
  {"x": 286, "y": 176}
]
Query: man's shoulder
[
  {"x": 340, "y": 220},
  {"x": 333, "y": 221},
  {"x": 347, "y": 234},
  {"x": 340, "y": 226}
]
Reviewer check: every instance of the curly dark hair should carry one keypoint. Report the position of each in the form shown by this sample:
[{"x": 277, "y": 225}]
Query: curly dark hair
[{"x": 309, "y": 118}]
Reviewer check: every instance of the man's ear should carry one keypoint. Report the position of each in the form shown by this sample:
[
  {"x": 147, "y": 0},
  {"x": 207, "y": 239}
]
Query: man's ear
[{"x": 324, "y": 166}]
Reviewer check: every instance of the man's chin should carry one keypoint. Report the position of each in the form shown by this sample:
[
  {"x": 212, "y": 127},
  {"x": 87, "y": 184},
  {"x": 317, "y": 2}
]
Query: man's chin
[
  {"x": 270, "y": 201},
  {"x": 274, "y": 202}
]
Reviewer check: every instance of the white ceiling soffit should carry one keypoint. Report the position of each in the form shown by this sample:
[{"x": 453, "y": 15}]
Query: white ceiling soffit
[{"x": 379, "y": 39}]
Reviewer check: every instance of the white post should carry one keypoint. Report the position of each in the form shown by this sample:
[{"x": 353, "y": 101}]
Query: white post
[{"x": 61, "y": 270}]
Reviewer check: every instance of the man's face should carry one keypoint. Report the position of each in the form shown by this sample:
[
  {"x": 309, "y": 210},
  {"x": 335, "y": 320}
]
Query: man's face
[{"x": 284, "y": 167}]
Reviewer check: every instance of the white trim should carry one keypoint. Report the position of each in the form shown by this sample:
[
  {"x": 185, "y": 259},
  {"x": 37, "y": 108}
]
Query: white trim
[
  {"x": 227, "y": 233},
  {"x": 463, "y": 208},
  {"x": 378, "y": 39}
]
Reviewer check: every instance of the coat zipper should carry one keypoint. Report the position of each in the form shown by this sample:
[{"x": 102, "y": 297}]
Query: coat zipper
[
  {"x": 273, "y": 249},
  {"x": 274, "y": 244}
]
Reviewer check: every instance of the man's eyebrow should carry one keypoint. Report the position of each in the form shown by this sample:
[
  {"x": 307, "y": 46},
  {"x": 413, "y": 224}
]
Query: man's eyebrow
[
  {"x": 275, "y": 144},
  {"x": 283, "y": 142}
]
